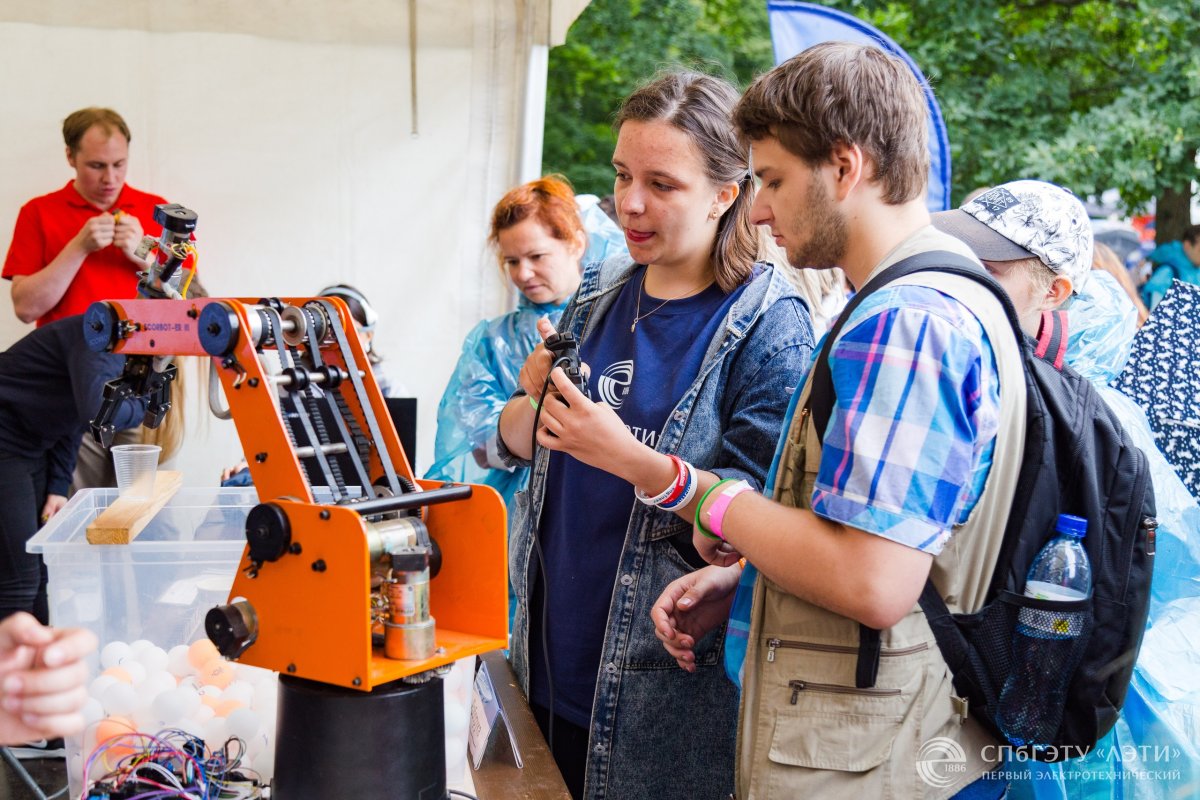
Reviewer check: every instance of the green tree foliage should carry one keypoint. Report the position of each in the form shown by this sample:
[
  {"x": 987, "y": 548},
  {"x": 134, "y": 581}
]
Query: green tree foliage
[
  {"x": 617, "y": 44},
  {"x": 1093, "y": 94}
]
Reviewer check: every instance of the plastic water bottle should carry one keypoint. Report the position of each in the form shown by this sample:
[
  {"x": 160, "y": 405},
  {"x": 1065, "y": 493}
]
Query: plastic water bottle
[{"x": 1031, "y": 703}]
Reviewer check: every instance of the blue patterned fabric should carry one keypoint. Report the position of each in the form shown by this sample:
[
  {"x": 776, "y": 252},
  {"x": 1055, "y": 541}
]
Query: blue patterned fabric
[
  {"x": 909, "y": 443},
  {"x": 1163, "y": 376}
]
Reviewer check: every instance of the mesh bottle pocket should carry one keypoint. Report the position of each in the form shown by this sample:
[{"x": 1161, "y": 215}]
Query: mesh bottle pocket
[
  {"x": 1046, "y": 641},
  {"x": 1015, "y": 659}
]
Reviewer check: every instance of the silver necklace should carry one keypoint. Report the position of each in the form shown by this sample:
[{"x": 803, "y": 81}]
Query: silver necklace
[{"x": 638, "y": 316}]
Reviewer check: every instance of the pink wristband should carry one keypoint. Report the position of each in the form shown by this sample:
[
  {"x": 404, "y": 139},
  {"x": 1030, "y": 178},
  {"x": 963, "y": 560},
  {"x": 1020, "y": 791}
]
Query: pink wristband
[{"x": 716, "y": 512}]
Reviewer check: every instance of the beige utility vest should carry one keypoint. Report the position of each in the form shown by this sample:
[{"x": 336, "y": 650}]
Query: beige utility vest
[{"x": 804, "y": 730}]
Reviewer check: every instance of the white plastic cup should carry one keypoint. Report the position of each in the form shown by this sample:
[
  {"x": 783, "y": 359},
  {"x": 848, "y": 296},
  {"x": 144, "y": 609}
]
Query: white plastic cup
[{"x": 136, "y": 465}]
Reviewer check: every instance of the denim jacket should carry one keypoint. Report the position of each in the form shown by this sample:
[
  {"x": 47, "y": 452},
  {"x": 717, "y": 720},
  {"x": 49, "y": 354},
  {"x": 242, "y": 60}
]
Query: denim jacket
[{"x": 657, "y": 731}]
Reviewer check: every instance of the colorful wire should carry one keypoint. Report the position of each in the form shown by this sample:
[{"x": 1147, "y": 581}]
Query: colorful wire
[{"x": 173, "y": 764}]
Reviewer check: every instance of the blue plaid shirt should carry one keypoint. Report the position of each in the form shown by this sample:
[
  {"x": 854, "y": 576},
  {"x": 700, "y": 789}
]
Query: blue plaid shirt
[{"x": 909, "y": 443}]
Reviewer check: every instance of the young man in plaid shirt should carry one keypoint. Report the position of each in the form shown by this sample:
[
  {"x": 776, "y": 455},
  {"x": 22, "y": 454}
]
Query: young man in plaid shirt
[{"x": 911, "y": 478}]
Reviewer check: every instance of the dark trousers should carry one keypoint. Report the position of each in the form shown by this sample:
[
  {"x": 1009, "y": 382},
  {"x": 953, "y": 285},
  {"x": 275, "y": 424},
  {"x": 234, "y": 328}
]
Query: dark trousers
[
  {"x": 22, "y": 575},
  {"x": 569, "y": 745},
  {"x": 569, "y": 748}
]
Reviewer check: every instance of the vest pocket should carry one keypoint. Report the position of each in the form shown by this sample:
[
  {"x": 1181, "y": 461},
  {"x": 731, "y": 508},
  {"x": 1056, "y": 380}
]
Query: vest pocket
[
  {"x": 840, "y": 740},
  {"x": 808, "y": 686},
  {"x": 829, "y": 740},
  {"x": 895, "y": 652},
  {"x": 821, "y": 734}
]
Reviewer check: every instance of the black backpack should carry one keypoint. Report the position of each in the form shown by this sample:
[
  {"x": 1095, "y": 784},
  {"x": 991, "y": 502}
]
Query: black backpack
[{"x": 1077, "y": 460}]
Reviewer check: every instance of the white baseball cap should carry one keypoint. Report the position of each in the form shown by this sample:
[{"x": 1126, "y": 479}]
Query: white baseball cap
[{"x": 1025, "y": 219}]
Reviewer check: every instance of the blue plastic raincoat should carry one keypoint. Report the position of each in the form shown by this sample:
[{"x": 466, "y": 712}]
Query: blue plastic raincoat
[
  {"x": 483, "y": 381},
  {"x": 605, "y": 237},
  {"x": 486, "y": 375},
  {"x": 1154, "y": 749},
  {"x": 1171, "y": 263}
]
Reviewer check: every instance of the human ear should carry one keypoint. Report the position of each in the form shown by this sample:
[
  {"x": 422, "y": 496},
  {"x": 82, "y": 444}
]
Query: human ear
[
  {"x": 726, "y": 196},
  {"x": 579, "y": 246},
  {"x": 1192, "y": 250},
  {"x": 848, "y": 164},
  {"x": 1060, "y": 289}
]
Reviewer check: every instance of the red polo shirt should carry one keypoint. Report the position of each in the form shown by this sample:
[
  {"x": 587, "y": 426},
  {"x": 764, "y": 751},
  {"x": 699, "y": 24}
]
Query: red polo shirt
[{"x": 47, "y": 223}]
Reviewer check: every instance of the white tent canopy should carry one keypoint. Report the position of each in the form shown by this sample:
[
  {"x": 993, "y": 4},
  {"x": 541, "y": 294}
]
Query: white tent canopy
[{"x": 315, "y": 145}]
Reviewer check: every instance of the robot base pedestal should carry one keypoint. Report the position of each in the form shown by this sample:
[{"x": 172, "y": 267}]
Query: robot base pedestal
[{"x": 379, "y": 745}]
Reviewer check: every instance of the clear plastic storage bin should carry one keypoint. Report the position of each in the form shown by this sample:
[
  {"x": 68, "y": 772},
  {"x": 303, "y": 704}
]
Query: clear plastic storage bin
[{"x": 157, "y": 588}]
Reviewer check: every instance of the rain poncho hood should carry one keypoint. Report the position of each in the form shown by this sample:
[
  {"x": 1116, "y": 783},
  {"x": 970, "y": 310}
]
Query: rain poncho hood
[
  {"x": 1154, "y": 749},
  {"x": 1171, "y": 263}
]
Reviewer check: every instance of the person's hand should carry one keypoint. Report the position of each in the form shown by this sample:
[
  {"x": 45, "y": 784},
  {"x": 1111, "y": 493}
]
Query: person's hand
[
  {"x": 127, "y": 236},
  {"x": 591, "y": 432},
  {"x": 54, "y": 504},
  {"x": 229, "y": 472},
  {"x": 715, "y": 551},
  {"x": 97, "y": 233},
  {"x": 535, "y": 369},
  {"x": 42, "y": 679},
  {"x": 692, "y": 606}
]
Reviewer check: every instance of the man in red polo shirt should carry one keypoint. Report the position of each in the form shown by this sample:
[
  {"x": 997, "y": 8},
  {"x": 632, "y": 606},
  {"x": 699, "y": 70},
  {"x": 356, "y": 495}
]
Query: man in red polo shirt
[{"x": 77, "y": 245}]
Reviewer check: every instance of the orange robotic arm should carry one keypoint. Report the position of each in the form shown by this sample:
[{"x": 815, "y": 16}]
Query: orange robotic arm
[{"x": 335, "y": 550}]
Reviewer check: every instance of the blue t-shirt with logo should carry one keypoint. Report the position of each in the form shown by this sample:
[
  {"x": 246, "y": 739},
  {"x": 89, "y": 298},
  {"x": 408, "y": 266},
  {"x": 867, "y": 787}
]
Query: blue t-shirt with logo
[{"x": 642, "y": 374}]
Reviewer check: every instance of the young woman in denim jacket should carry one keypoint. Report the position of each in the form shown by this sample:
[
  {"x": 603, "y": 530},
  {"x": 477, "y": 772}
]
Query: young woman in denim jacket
[{"x": 694, "y": 350}]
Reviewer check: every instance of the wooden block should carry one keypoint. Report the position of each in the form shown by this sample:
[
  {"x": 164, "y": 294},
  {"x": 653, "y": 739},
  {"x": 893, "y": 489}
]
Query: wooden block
[{"x": 121, "y": 522}]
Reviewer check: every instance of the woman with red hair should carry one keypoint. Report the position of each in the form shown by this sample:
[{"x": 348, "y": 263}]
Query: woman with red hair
[{"x": 540, "y": 240}]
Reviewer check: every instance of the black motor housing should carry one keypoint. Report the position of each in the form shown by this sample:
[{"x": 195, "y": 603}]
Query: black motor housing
[{"x": 387, "y": 744}]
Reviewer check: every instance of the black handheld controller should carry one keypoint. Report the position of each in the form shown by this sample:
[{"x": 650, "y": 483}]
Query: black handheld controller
[{"x": 565, "y": 351}]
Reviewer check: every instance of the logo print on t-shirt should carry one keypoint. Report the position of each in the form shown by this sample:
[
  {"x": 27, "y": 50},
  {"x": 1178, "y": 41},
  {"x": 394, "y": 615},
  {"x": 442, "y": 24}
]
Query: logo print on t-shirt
[{"x": 614, "y": 382}]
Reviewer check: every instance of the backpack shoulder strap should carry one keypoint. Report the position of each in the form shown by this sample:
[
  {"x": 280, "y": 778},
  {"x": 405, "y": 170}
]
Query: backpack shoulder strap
[
  {"x": 821, "y": 395},
  {"x": 1052, "y": 338}
]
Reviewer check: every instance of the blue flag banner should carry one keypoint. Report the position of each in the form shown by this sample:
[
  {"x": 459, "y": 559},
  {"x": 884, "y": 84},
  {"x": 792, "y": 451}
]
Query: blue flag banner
[{"x": 796, "y": 26}]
